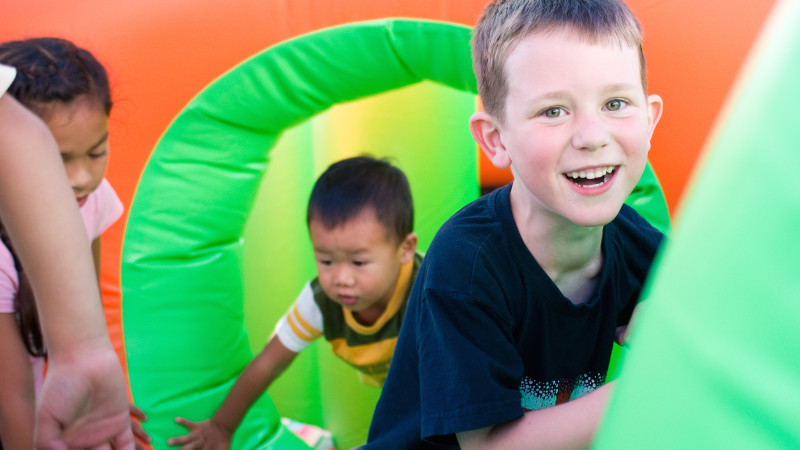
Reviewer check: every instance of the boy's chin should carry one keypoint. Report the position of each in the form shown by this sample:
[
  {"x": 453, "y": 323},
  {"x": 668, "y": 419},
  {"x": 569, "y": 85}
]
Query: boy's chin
[{"x": 595, "y": 216}]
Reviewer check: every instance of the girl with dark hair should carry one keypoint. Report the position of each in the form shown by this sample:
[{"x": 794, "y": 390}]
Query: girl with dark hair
[{"x": 68, "y": 89}]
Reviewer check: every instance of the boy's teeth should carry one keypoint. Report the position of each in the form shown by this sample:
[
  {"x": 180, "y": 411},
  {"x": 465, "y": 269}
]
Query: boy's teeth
[{"x": 591, "y": 174}]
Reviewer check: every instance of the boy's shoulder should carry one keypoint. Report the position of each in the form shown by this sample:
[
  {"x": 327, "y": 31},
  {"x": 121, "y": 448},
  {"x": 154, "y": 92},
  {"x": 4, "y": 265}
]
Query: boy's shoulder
[
  {"x": 477, "y": 219},
  {"x": 631, "y": 224},
  {"x": 480, "y": 237}
]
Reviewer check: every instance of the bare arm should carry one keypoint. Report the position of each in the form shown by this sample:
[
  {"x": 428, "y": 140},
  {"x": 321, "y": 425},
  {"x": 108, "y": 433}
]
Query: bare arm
[
  {"x": 566, "y": 426},
  {"x": 96, "y": 257},
  {"x": 42, "y": 218},
  {"x": 252, "y": 382},
  {"x": 16, "y": 390}
]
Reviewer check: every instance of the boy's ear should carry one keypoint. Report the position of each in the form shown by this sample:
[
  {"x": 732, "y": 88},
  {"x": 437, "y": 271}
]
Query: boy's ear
[
  {"x": 408, "y": 248},
  {"x": 654, "y": 108},
  {"x": 487, "y": 134}
]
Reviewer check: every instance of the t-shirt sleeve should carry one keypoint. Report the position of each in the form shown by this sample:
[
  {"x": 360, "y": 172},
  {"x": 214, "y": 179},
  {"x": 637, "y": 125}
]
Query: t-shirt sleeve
[
  {"x": 7, "y": 74},
  {"x": 102, "y": 208},
  {"x": 9, "y": 280},
  {"x": 469, "y": 368},
  {"x": 302, "y": 323}
]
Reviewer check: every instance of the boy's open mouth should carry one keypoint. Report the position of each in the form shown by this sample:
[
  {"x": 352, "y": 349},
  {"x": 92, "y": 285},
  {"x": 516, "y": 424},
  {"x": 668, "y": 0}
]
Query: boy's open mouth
[{"x": 591, "y": 177}]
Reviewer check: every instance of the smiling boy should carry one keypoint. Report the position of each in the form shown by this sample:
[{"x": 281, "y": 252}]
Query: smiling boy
[
  {"x": 512, "y": 318},
  {"x": 360, "y": 219}
]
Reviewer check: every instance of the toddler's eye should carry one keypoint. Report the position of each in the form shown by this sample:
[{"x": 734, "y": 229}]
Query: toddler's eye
[
  {"x": 553, "y": 112},
  {"x": 359, "y": 263},
  {"x": 615, "y": 105},
  {"x": 323, "y": 262}
]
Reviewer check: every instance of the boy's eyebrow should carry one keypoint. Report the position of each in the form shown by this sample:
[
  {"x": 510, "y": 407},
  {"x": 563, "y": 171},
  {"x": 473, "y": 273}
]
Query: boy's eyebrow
[
  {"x": 622, "y": 86},
  {"x": 555, "y": 95}
]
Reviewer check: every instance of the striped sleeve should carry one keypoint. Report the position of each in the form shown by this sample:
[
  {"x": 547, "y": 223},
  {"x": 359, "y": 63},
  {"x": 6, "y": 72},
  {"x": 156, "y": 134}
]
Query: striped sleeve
[{"x": 302, "y": 323}]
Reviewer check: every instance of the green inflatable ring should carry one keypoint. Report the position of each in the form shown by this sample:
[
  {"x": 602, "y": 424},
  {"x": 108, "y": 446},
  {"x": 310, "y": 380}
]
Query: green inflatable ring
[{"x": 182, "y": 254}]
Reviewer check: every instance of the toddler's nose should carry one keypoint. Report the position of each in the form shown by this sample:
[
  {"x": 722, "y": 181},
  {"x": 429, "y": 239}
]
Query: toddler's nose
[{"x": 343, "y": 277}]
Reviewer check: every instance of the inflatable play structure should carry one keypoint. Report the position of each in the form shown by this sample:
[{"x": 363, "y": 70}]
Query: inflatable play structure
[
  {"x": 226, "y": 115},
  {"x": 716, "y": 360},
  {"x": 183, "y": 263}
]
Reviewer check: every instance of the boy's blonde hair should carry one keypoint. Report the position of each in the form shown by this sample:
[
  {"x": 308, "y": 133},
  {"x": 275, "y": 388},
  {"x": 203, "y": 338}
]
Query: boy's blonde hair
[{"x": 505, "y": 22}]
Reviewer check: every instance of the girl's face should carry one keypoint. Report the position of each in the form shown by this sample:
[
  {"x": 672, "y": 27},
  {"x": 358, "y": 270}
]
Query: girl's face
[{"x": 81, "y": 131}]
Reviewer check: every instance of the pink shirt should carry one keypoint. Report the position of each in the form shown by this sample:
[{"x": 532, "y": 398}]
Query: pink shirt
[{"x": 102, "y": 208}]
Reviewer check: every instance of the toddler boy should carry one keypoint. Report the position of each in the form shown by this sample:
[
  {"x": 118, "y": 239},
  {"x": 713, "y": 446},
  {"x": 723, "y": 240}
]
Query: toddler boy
[
  {"x": 360, "y": 218},
  {"x": 512, "y": 318}
]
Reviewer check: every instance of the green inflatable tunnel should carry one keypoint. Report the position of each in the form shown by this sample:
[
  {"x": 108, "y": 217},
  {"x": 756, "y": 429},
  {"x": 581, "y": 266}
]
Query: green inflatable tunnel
[{"x": 216, "y": 247}]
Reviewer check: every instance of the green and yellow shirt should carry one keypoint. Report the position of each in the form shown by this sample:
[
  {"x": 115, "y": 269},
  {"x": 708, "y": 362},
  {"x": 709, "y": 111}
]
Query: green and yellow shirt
[{"x": 367, "y": 348}]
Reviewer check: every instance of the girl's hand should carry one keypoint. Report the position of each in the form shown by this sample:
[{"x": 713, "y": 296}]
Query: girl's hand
[
  {"x": 83, "y": 403},
  {"x": 205, "y": 435},
  {"x": 136, "y": 426}
]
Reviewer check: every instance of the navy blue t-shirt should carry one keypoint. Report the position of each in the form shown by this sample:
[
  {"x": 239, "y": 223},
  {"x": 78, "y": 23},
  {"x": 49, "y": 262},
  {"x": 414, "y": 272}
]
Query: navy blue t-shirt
[{"x": 488, "y": 335}]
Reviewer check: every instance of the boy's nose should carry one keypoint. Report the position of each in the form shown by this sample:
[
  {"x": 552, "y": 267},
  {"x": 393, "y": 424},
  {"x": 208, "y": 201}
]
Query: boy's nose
[{"x": 590, "y": 133}]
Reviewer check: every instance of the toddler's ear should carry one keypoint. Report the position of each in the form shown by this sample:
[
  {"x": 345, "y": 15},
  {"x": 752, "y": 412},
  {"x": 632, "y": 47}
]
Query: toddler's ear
[
  {"x": 408, "y": 248},
  {"x": 487, "y": 134}
]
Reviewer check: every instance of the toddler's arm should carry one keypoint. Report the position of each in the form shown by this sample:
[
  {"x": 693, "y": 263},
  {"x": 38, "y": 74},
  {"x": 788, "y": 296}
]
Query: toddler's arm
[
  {"x": 569, "y": 425},
  {"x": 216, "y": 432}
]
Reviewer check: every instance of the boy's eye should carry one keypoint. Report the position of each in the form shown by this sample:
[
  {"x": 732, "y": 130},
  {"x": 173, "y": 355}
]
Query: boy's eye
[
  {"x": 615, "y": 105},
  {"x": 359, "y": 263},
  {"x": 324, "y": 262},
  {"x": 553, "y": 112}
]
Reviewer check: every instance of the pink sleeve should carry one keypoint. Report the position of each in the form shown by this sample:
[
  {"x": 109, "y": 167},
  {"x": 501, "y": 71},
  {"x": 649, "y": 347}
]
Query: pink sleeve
[
  {"x": 101, "y": 210},
  {"x": 9, "y": 280}
]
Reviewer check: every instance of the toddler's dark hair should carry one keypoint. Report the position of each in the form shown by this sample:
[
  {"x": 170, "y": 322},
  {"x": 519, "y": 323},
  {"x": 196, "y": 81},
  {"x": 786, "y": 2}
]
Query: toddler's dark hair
[{"x": 352, "y": 185}]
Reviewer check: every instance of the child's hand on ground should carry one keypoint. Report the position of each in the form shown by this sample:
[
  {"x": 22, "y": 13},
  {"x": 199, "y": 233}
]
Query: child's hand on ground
[
  {"x": 136, "y": 426},
  {"x": 204, "y": 435}
]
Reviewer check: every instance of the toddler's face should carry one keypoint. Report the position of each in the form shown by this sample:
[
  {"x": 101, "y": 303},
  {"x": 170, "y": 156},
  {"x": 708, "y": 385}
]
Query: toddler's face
[
  {"x": 81, "y": 131},
  {"x": 578, "y": 125},
  {"x": 358, "y": 262}
]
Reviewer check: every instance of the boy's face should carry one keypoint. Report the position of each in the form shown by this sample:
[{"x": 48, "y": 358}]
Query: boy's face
[
  {"x": 359, "y": 261},
  {"x": 577, "y": 126}
]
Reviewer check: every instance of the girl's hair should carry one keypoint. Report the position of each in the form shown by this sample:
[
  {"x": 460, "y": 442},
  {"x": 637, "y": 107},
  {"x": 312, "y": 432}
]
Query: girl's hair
[
  {"x": 54, "y": 70},
  {"x": 24, "y": 306},
  {"x": 352, "y": 185},
  {"x": 49, "y": 70}
]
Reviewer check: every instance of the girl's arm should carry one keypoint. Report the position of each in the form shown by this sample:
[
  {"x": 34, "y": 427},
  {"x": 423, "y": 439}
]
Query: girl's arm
[
  {"x": 570, "y": 425},
  {"x": 96, "y": 257},
  {"x": 252, "y": 382},
  {"x": 16, "y": 390},
  {"x": 42, "y": 218}
]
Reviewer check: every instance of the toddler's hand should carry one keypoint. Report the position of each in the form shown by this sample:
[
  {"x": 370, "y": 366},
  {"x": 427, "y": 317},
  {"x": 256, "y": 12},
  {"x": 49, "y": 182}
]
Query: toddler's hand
[
  {"x": 136, "y": 426},
  {"x": 204, "y": 435}
]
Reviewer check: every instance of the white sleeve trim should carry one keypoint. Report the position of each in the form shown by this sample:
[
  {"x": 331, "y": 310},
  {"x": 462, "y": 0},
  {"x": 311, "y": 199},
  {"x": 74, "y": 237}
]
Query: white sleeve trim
[{"x": 302, "y": 324}]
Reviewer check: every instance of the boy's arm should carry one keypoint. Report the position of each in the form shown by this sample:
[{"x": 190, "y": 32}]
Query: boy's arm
[
  {"x": 569, "y": 425},
  {"x": 252, "y": 382}
]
